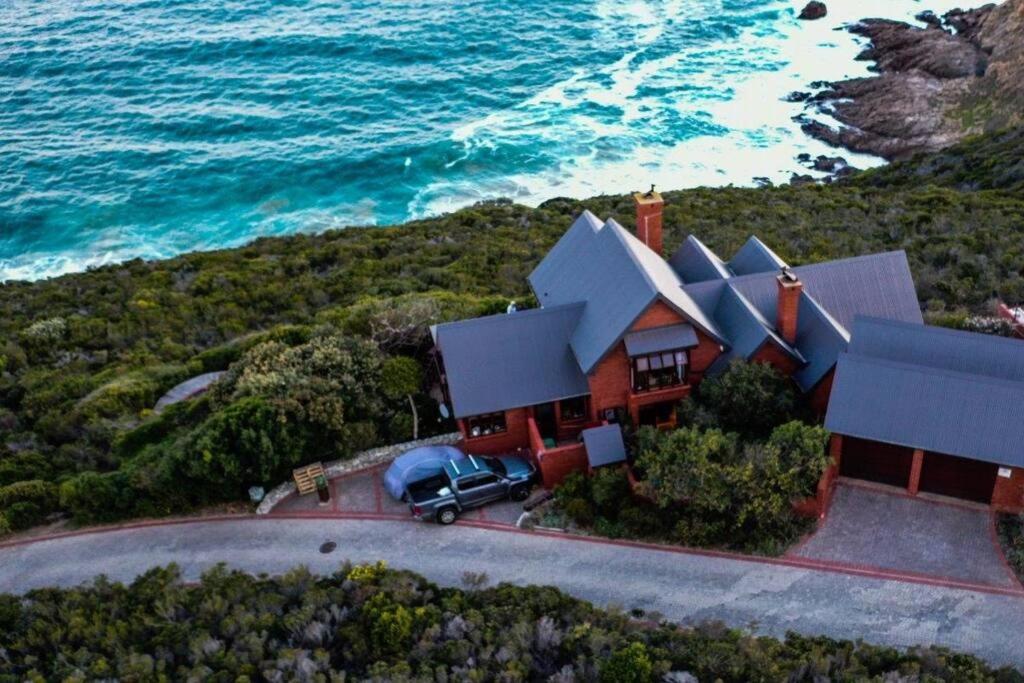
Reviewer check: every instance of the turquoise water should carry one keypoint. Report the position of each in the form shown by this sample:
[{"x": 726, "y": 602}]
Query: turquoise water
[{"x": 145, "y": 128}]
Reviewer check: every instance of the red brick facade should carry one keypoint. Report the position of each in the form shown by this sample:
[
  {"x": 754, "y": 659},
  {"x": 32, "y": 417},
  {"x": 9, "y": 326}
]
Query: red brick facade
[
  {"x": 773, "y": 355},
  {"x": 820, "y": 393},
  {"x": 1008, "y": 495},
  {"x": 515, "y": 436}
]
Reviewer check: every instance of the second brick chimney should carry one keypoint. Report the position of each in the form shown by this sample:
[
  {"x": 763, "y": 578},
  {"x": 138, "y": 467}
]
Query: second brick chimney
[
  {"x": 648, "y": 218},
  {"x": 790, "y": 288}
]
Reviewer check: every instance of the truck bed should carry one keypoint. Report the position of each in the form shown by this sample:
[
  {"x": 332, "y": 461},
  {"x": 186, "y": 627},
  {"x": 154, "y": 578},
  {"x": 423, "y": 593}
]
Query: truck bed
[{"x": 426, "y": 489}]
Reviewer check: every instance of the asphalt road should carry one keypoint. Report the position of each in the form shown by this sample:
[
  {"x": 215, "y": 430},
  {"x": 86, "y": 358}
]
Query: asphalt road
[{"x": 686, "y": 588}]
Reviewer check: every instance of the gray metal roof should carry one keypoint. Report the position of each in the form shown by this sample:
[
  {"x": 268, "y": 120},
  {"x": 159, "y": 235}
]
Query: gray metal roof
[
  {"x": 878, "y": 285},
  {"x": 694, "y": 262},
  {"x": 820, "y": 339},
  {"x": 939, "y": 347},
  {"x": 916, "y": 406},
  {"x": 617, "y": 277},
  {"x": 509, "y": 361},
  {"x": 656, "y": 339},
  {"x": 604, "y": 445},
  {"x": 755, "y": 257}
]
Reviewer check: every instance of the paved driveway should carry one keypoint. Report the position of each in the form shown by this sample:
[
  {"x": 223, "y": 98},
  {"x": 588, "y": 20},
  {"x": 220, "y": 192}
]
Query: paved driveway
[
  {"x": 875, "y": 528},
  {"x": 775, "y": 596},
  {"x": 363, "y": 493}
]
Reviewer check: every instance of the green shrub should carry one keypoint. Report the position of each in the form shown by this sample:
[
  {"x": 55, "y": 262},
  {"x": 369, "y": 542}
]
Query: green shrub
[
  {"x": 5, "y": 526},
  {"x": 749, "y": 398},
  {"x": 23, "y": 466},
  {"x": 92, "y": 497},
  {"x": 580, "y": 511},
  {"x": 631, "y": 664}
]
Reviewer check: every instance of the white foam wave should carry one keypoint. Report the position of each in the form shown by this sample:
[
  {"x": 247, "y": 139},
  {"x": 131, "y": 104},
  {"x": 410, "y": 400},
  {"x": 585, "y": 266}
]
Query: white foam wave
[{"x": 737, "y": 89}]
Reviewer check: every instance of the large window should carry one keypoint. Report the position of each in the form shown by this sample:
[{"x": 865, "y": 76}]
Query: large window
[
  {"x": 659, "y": 370},
  {"x": 573, "y": 409},
  {"x": 483, "y": 425}
]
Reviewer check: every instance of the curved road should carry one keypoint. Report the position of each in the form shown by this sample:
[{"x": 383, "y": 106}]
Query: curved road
[{"x": 771, "y": 597}]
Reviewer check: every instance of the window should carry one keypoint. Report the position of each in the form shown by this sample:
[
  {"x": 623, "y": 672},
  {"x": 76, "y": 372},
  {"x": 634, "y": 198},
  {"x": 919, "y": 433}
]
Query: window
[
  {"x": 573, "y": 409},
  {"x": 483, "y": 425},
  {"x": 477, "y": 481},
  {"x": 659, "y": 370}
]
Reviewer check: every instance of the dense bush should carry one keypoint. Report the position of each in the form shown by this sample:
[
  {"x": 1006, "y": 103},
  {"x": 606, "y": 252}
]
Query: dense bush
[
  {"x": 368, "y": 623},
  {"x": 749, "y": 398},
  {"x": 705, "y": 487},
  {"x": 1011, "y": 535},
  {"x": 27, "y": 503}
]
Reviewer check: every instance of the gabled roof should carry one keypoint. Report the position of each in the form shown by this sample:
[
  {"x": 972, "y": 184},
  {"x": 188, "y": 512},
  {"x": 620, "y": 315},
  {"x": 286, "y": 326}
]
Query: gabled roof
[
  {"x": 745, "y": 327},
  {"x": 755, "y": 257},
  {"x": 939, "y": 347},
  {"x": 508, "y": 361},
  {"x": 656, "y": 339},
  {"x": 917, "y": 406},
  {"x": 694, "y": 262},
  {"x": 617, "y": 277},
  {"x": 877, "y": 285}
]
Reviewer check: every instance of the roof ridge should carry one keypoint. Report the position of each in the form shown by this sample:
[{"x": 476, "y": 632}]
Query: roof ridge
[
  {"x": 624, "y": 240},
  {"x": 820, "y": 264},
  {"x": 768, "y": 328},
  {"x": 526, "y": 312},
  {"x": 716, "y": 260},
  {"x": 932, "y": 370},
  {"x": 939, "y": 330},
  {"x": 827, "y": 317}
]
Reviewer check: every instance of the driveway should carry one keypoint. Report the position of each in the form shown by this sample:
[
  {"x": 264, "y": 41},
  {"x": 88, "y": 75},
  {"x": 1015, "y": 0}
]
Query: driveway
[
  {"x": 772, "y": 595},
  {"x": 363, "y": 493},
  {"x": 873, "y": 527}
]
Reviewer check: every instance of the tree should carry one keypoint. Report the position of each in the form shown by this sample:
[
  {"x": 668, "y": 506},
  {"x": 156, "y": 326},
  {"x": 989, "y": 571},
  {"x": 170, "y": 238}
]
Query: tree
[
  {"x": 246, "y": 443},
  {"x": 330, "y": 385},
  {"x": 749, "y": 398},
  {"x": 631, "y": 664},
  {"x": 688, "y": 466},
  {"x": 401, "y": 376}
]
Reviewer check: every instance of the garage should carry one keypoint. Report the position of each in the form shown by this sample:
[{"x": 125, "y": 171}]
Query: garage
[
  {"x": 948, "y": 475},
  {"x": 876, "y": 461}
]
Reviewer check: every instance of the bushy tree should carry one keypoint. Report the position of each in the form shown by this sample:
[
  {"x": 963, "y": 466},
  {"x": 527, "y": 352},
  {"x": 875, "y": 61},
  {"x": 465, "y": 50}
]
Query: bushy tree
[
  {"x": 401, "y": 377},
  {"x": 330, "y": 387},
  {"x": 749, "y": 398}
]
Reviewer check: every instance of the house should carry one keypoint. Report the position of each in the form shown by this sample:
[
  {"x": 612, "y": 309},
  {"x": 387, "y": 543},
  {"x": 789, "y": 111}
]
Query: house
[
  {"x": 623, "y": 332},
  {"x": 931, "y": 409}
]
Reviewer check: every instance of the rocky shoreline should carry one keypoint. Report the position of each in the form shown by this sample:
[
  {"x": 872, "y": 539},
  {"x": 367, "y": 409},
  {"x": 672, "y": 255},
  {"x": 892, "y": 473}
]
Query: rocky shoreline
[{"x": 957, "y": 75}]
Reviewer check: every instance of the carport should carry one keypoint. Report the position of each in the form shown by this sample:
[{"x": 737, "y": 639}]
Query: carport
[{"x": 931, "y": 410}]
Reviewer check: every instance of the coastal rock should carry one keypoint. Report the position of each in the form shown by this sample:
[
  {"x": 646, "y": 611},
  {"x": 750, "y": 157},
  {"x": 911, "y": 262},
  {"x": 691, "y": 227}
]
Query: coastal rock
[
  {"x": 934, "y": 87},
  {"x": 813, "y": 10}
]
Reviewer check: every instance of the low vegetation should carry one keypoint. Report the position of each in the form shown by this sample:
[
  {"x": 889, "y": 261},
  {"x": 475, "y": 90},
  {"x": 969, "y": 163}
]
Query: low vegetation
[
  {"x": 1011, "y": 535},
  {"x": 368, "y": 623},
  {"x": 728, "y": 478},
  {"x": 85, "y": 357}
]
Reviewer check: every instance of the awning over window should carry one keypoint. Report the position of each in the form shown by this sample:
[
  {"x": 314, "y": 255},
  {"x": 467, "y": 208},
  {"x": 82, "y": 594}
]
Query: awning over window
[
  {"x": 658, "y": 339},
  {"x": 604, "y": 445}
]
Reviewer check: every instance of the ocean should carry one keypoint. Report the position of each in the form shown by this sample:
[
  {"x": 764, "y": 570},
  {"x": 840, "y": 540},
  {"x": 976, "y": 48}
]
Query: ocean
[{"x": 147, "y": 128}]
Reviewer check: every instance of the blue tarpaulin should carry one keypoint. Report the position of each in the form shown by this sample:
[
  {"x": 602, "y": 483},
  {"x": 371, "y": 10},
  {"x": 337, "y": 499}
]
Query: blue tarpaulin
[{"x": 416, "y": 465}]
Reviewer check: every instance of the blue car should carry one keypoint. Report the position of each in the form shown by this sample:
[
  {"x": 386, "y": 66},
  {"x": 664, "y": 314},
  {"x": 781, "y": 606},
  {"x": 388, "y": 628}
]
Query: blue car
[{"x": 418, "y": 464}]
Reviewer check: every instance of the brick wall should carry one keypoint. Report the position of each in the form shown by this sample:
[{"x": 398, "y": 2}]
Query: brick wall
[
  {"x": 610, "y": 380},
  {"x": 516, "y": 435},
  {"x": 773, "y": 355},
  {"x": 1008, "y": 494}
]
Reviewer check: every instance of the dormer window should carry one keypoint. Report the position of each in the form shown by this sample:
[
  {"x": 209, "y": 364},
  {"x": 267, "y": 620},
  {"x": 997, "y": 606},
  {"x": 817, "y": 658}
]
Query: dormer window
[{"x": 659, "y": 370}]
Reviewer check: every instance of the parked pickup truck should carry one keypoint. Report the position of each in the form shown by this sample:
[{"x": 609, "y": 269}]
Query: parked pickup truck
[{"x": 469, "y": 483}]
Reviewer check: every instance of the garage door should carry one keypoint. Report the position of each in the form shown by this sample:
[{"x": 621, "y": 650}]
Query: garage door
[
  {"x": 949, "y": 475},
  {"x": 876, "y": 461}
]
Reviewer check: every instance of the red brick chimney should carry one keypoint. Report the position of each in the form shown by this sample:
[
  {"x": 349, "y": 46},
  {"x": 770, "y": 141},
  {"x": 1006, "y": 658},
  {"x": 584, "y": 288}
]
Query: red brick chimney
[
  {"x": 648, "y": 218},
  {"x": 790, "y": 288}
]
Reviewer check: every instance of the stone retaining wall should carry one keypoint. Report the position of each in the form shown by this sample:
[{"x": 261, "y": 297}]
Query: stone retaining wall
[{"x": 336, "y": 468}]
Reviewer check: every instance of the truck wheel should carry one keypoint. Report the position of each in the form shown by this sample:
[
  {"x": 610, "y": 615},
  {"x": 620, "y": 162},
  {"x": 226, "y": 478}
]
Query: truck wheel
[
  {"x": 447, "y": 515},
  {"x": 520, "y": 493}
]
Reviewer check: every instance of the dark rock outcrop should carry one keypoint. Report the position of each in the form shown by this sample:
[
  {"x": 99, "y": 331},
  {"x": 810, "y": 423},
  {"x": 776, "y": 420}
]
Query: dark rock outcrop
[
  {"x": 935, "y": 86},
  {"x": 813, "y": 10}
]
